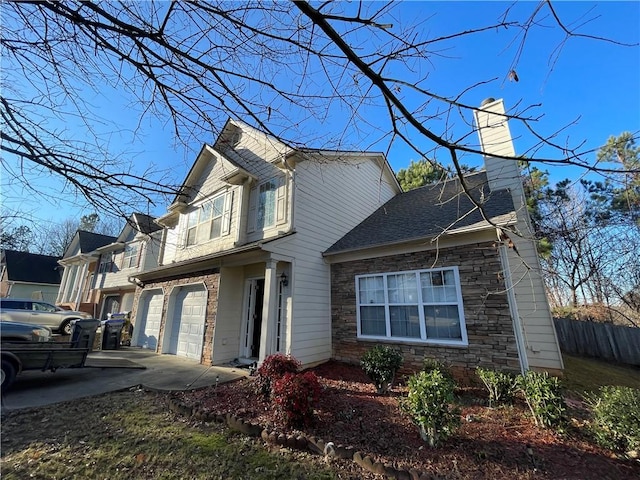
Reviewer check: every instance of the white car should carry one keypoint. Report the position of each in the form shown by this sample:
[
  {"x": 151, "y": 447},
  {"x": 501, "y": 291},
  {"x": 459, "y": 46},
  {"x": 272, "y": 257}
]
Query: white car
[
  {"x": 24, "y": 332},
  {"x": 39, "y": 313}
]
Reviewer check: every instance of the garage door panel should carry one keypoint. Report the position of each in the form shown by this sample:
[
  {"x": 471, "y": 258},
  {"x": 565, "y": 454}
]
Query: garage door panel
[
  {"x": 149, "y": 322},
  {"x": 189, "y": 320}
]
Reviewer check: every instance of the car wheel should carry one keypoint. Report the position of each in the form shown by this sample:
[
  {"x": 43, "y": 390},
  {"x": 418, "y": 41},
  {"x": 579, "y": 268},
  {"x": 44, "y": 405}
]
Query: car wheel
[
  {"x": 8, "y": 374},
  {"x": 66, "y": 328}
]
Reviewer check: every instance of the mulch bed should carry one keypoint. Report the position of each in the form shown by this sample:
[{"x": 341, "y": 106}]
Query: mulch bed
[{"x": 501, "y": 442}]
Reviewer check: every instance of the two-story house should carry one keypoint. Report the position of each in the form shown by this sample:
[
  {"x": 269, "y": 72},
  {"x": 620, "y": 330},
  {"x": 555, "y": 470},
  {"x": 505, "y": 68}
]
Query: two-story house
[
  {"x": 319, "y": 254},
  {"x": 29, "y": 275},
  {"x": 135, "y": 250},
  {"x": 241, "y": 272},
  {"x": 80, "y": 262}
]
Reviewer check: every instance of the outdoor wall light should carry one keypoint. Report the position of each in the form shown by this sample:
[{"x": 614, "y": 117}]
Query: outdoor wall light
[{"x": 284, "y": 280}]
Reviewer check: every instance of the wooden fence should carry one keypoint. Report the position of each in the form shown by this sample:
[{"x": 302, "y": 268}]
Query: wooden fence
[{"x": 599, "y": 340}]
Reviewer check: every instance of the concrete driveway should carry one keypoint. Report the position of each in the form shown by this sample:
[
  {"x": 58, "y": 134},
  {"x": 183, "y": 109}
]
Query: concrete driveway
[{"x": 111, "y": 370}]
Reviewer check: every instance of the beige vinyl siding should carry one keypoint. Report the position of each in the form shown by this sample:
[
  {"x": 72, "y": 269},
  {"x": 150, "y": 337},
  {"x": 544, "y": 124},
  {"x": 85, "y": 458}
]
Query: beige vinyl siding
[
  {"x": 230, "y": 308},
  {"x": 331, "y": 197},
  {"x": 209, "y": 187},
  {"x": 539, "y": 334}
]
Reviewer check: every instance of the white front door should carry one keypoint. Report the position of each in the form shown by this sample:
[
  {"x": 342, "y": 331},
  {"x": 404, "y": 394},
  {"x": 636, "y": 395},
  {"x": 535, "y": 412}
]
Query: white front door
[{"x": 187, "y": 330}]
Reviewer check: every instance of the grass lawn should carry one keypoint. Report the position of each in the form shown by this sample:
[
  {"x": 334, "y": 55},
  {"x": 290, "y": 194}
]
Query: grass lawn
[
  {"x": 587, "y": 375},
  {"x": 131, "y": 434}
]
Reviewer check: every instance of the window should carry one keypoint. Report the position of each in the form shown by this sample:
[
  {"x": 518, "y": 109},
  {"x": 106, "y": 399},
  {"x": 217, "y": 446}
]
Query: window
[
  {"x": 206, "y": 222},
  {"x": 130, "y": 256},
  {"x": 423, "y": 305},
  {"x": 106, "y": 264},
  {"x": 268, "y": 204},
  {"x": 266, "y": 216}
]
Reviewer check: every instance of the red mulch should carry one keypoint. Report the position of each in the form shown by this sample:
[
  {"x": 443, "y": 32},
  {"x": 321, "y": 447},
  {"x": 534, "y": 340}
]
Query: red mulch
[{"x": 491, "y": 443}]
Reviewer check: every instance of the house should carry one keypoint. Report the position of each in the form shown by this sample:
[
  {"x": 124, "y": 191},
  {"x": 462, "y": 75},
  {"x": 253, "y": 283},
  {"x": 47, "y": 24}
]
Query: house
[
  {"x": 442, "y": 277},
  {"x": 29, "y": 275},
  {"x": 135, "y": 250},
  {"x": 319, "y": 254},
  {"x": 241, "y": 271},
  {"x": 80, "y": 263}
]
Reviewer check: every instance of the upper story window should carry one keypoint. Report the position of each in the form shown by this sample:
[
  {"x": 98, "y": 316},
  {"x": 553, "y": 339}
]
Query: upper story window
[
  {"x": 210, "y": 220},
  {"x": 266, "y": 215},
  {"x": 106, "y": 263},
  {"x": 268, "y": 204},
  {"x": 130, "y": 258},
  {"x": 421, "y": 305}
]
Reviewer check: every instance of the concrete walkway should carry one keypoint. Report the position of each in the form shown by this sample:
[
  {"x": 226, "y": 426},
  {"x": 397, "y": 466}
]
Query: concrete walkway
[{"x": 111, "y": 370}]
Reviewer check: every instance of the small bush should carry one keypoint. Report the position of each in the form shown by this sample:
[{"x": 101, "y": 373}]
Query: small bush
[
  {"x": 501, "y": 386},
  {"x": 544, "y": 398},
  {"x": 273, "y": 368},
  {"x": 380, "y": 364},
  {"x": 295, "y": 395},
  {"x": 429, "y": 403},
  {"x": 616, "y": 418},
  {"x": 429, "y": 364}
]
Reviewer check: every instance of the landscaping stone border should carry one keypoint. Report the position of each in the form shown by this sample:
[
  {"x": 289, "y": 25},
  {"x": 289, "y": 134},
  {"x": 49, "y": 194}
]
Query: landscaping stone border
[{"x": 299, "y": 442}]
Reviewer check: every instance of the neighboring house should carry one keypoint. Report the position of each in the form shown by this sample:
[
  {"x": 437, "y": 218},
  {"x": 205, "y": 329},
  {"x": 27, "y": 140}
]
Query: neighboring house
[
  {"x": 430, "y": 273},
  {"x": 80, "y": 263},
  {"x": 135, "y": 250},
  {"x": 29, "y": 275},
  {"x": 241, "y": 274}
]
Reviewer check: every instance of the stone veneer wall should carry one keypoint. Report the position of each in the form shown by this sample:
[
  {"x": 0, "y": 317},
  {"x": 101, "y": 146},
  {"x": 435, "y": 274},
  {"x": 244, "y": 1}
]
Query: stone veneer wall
[
  {"x": 488, "y": 321},
  {"x": 210, "y": 278}
]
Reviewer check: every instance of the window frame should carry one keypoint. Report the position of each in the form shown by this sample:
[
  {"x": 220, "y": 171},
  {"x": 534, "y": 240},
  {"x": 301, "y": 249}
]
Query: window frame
[
  {"x": 126, "y": 259},
  {"x": 208, "y": 223},
  {"x": 265, "y": 202},
  {"x": 420, "y": 303}
]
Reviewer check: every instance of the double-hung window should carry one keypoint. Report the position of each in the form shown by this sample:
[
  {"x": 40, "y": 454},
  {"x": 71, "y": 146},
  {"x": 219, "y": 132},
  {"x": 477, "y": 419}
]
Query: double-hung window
[
  {"x": 130, "y": 258},
  {"x": 206, "y": 222},
  {"x": 421, "y": 305}
]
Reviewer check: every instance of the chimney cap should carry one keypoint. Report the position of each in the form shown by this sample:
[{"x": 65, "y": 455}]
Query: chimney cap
[{"x": 487, "y": 101}]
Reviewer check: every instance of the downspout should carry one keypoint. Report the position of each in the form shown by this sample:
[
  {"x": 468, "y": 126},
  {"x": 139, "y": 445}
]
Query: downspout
[{"x": 513, "y": 309}]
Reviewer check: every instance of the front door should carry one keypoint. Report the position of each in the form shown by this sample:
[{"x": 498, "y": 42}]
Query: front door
[{"x": 253, "y": 319}]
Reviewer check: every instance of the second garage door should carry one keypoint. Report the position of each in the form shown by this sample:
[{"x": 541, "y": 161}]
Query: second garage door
[
  {"x": 187, "y": 332},
  {"x": 149, "y": 321}
]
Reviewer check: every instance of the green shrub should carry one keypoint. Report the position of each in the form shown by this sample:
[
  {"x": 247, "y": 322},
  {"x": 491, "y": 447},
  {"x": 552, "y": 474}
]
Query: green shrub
[
  {"x": 544, "y": 398},
  {"x": 430, "y": 405},
  {"x": 429, "y": 364},
  {"x": 501, "y": 386},
  {"x": 295, "y": 395},
  {"x": 272, "y": 369},
  {"x": 616, "y": 417},
  {"x": 380, "y": 364}
]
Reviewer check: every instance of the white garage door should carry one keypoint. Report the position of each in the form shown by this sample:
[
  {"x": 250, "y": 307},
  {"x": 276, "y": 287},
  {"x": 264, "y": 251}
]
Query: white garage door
[
  {"x": 149, "y": 322},
  {"x": 187, "y": 332}
]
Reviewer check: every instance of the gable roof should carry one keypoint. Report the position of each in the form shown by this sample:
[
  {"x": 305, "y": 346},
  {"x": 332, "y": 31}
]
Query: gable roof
[
  {"x": 429, "y": 211},
  {"x": 31, "y": 267}
]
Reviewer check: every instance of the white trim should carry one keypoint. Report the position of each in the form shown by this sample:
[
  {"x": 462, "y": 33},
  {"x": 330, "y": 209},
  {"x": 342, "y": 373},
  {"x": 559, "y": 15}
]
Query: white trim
[
  {"x": 420, "y": 303},
  {"x": 513, "y": 309}
]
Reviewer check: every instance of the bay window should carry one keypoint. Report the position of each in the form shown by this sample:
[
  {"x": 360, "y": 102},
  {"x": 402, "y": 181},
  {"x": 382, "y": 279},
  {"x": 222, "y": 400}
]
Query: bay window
[{"x": 421, "y": 306}]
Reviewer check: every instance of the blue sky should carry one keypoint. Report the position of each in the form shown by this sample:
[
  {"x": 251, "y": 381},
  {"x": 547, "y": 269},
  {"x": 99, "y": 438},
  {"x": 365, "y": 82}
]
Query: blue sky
[{"x": 595, "y": 84}]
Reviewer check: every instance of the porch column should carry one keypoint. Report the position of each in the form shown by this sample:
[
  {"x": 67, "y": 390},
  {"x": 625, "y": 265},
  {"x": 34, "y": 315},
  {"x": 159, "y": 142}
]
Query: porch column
[
  {"x": 80, "y": 283},
  {"x": 269, "y": 310},
  {"x": 72, "y": 278},
  {"x": 63, "y": 284}
]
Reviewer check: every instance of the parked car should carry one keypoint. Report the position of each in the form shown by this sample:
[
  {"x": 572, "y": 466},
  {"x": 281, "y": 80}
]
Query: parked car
[
  {"x": 23, "y": 332},
  {"x": 39, "y": 313}
]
